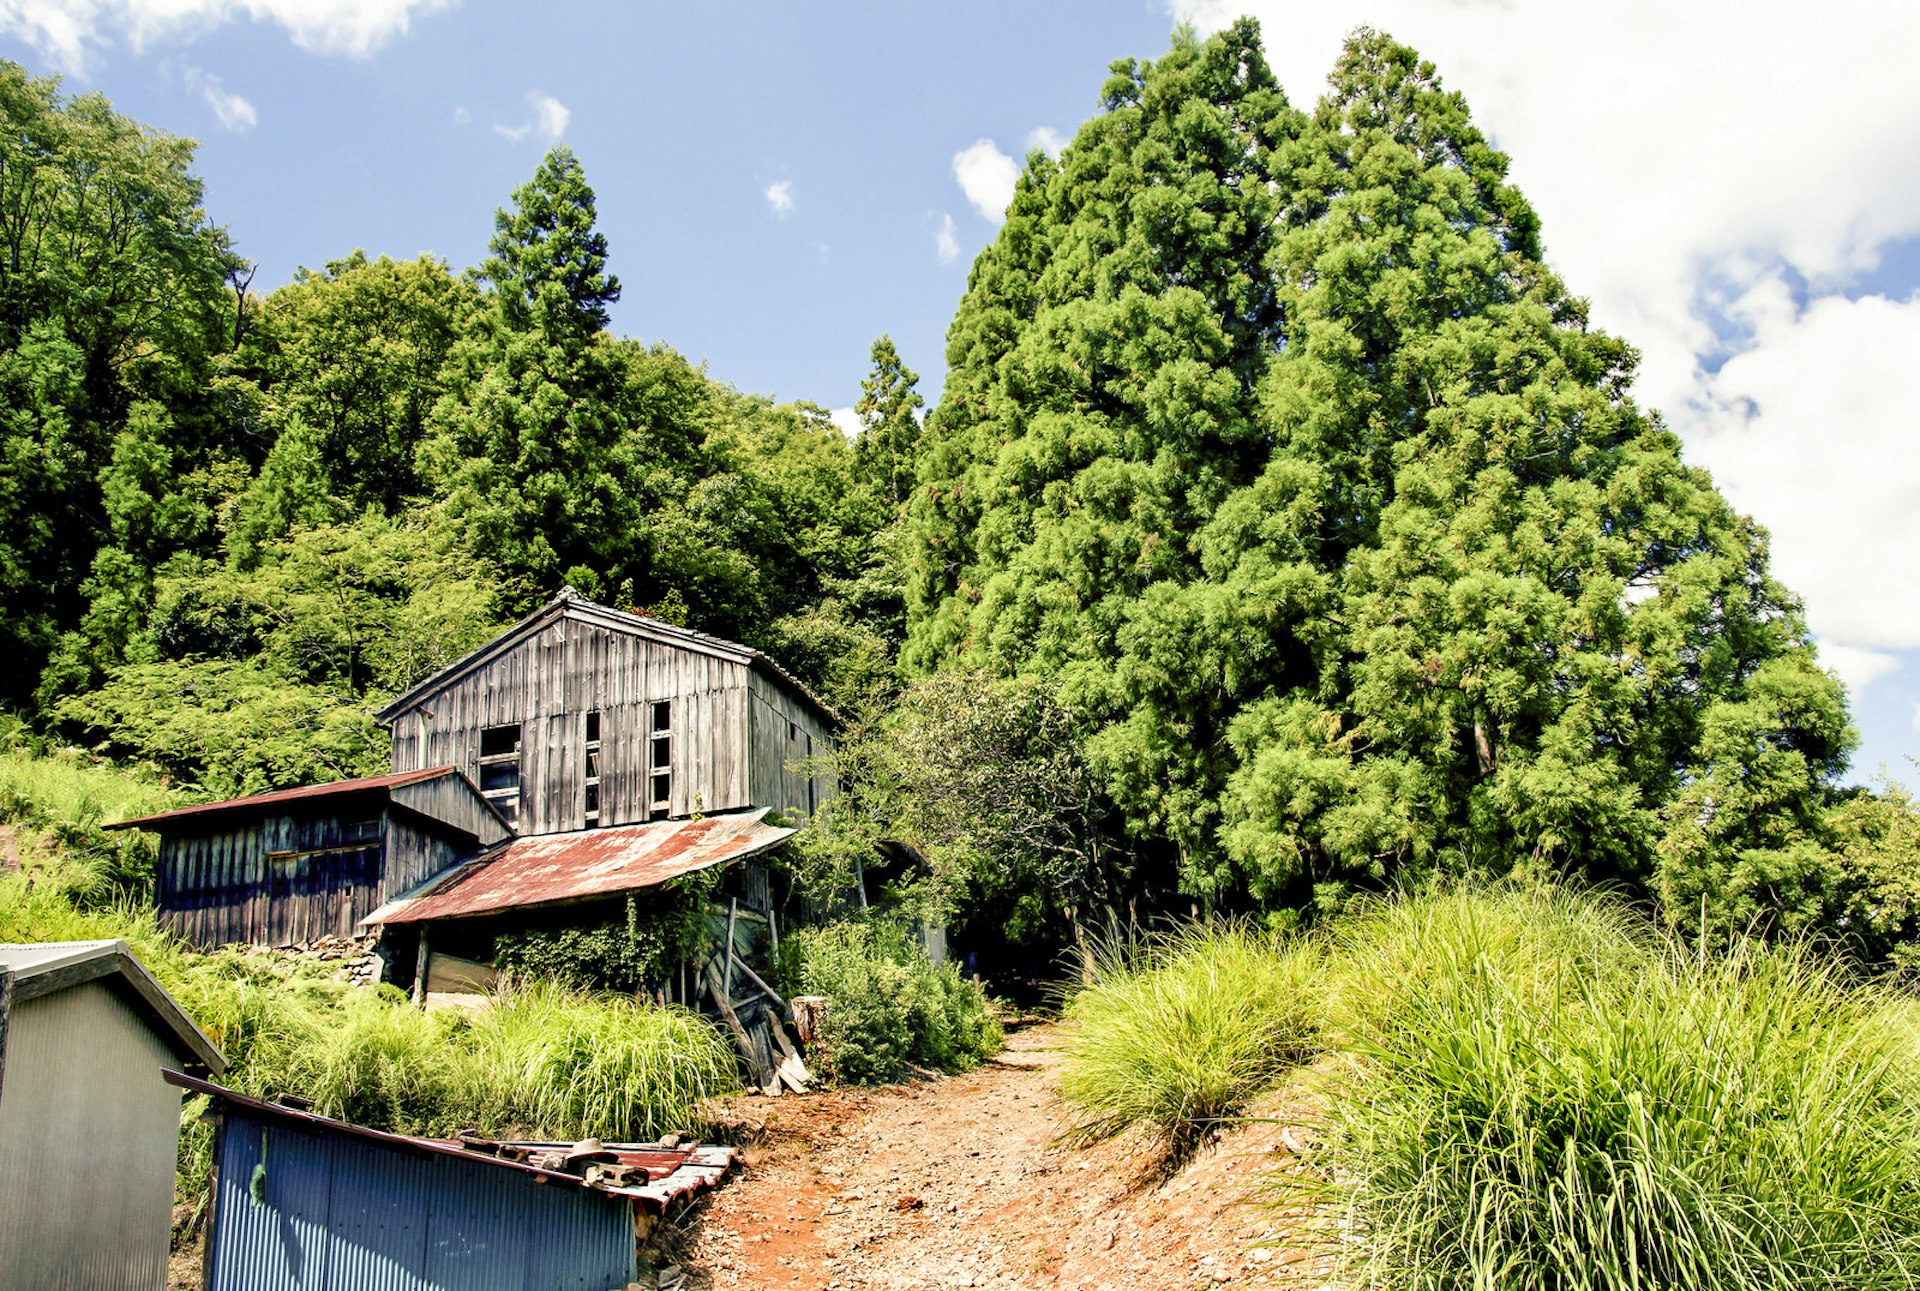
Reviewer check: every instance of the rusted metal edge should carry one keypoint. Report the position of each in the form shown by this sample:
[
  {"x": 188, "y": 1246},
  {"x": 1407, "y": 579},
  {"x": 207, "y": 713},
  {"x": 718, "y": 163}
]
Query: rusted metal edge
[
  {"x": 705, "y": 1166},
  {"x": 274, "y": 797}
]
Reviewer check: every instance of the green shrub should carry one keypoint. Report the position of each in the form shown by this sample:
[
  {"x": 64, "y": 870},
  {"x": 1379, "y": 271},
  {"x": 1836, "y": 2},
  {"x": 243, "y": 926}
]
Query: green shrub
[
  {"x": 628, "y": 953},
  {"x": 1181, "y": 1035},
  {"x": 888, "y": 1005},
  {"x": 550, "y": 1063},
  {"x": 1548, "y": 1097}
]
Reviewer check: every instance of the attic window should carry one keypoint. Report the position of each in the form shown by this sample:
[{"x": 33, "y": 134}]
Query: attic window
[
  {"x": 500, "y": 769},
  {"x": 592, "y": 775},
  {"x": 659, "y": 759}
]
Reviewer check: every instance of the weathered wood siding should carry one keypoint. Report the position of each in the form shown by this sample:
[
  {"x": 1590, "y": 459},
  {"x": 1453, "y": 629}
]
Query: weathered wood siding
[
  {"x": 789, "y": 743},
  {"x": 455, "y": 803},
  {"x": 416, "y": 853},
  {"x": 274, "y": 881},
  {"x": 548, "y": 683}
]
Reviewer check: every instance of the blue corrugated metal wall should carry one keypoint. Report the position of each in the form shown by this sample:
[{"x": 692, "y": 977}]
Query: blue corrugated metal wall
[{"x": 344, "y": 1214}]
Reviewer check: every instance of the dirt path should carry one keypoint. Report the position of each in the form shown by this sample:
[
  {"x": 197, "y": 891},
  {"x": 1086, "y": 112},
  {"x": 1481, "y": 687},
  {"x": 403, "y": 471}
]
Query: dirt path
[{"x": 956, "y": 1183}]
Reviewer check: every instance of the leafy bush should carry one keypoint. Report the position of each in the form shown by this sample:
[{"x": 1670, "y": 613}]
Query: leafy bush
[
  {"x": 626, "y": 953},
  {"x": 1183, "y": 1034},
  {"x": 1548, "y": 1097},
  {"x": 889, "y": 1006}
]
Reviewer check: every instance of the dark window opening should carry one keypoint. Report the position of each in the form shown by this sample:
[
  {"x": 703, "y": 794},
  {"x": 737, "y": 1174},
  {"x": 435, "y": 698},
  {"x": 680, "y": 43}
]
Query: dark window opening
[
  {"x": 659, "y": 760},
  {"x": 591, "y": 814},
  {"x": 500, "y": 770}
]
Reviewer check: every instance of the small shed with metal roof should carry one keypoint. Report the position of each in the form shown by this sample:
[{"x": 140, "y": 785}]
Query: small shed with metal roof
[
  {"x": 283, "y": 868},
  {"x": 307, "y": 1203},
  {"x": 85, "y": 1034}
]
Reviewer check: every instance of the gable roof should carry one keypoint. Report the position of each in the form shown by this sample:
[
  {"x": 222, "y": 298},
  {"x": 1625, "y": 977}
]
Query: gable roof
[
  {"x": 43, "y": 968},
  {"x": 569, "y": 604},
  {"x": 266, "y": 803},
  {"x": 551, "y": 869}
]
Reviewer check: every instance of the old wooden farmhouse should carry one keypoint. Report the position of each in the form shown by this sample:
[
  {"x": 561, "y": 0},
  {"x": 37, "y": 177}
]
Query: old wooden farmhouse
[{"x": 583, "y": 755}]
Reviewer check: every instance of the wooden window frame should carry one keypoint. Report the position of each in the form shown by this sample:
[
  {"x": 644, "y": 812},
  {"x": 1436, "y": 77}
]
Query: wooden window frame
[
  {"x": 660, "y": 737},
  {"x": 507, "y": 799}
]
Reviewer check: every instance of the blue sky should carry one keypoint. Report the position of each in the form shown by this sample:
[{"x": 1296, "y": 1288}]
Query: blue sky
[{"x": 1736, "y": 186}]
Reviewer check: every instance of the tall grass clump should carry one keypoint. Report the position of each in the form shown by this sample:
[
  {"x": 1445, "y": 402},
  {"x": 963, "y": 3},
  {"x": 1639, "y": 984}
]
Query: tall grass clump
[
  {"x": 1179, "y": 1036},
  {"x": 57, "y": 800},
  {"x": 889, "y": 1008},
  {"x": 553, "y": 1063},
  {"x": 1585, "y": 1105}
]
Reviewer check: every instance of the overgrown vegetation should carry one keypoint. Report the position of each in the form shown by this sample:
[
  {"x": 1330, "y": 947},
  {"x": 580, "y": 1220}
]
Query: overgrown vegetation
[
  {"x": 1179, "y": 1035},
  {"x": 889, "y": 1008},
  {"x": 629, "y": 952},
  {"x": 54, "y": 802},
  {"x": 1526, "y": 1087},
  {"x": 543, "y": 1062}
]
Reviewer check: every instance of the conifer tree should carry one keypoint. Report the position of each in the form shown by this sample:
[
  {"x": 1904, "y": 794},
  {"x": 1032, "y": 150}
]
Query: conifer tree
[
  {"x": 889, "y": 441},
  {"x": 1276, "y": 444}
]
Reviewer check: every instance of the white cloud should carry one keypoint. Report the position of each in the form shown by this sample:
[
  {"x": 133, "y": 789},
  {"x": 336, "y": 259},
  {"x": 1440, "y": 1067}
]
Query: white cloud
[
  {"x": 1811, "y": 428},
  {"x": 946, "y": 244},
  {"x": 550, "y": 118},
  {"x": 1688, "y": 160},
  {"x": 987, "y": 177},
  {"x": 1916, "y": 717},
  {"x": 1856, "y": 667},
  {"x": 779, "y": 195},
  {"x": 847, "y": 420},
  {"x": 67, "y": 32},
  {"x": 461, "y": 116},
  {"x": 1047, "y": 140},
  {"x": 550, "y": 115},
  {"x": 234, "y": 112}
]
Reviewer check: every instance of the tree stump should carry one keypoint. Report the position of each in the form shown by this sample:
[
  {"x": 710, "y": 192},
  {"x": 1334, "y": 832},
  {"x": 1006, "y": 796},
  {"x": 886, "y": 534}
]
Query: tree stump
[{"x": 809, "y": 1026}]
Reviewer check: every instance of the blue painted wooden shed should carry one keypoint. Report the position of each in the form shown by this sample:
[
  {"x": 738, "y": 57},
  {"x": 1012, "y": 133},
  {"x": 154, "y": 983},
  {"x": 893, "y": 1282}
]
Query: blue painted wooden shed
[{"x": 305, "y": 1203}]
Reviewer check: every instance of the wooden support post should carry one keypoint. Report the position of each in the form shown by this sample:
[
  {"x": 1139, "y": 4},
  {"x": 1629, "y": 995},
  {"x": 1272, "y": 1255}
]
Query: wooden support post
[
  {"x": 739, "y": 1032},
  {"x": 420, "y": 965},
  {"x": 733, "y": 912},
  {"x": 758, "y": 981}
]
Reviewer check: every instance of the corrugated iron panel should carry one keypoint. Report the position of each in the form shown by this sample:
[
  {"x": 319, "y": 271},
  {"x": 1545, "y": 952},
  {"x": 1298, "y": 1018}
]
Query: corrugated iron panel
[
  {"x": 279, "y": 1241},
  {"x": 350, "y": 1214},
  {"x": 591, "y": 862},
  {"x": 83, "y": 1070}
]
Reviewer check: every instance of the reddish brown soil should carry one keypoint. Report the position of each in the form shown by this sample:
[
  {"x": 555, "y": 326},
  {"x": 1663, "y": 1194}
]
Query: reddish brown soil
[{"x": 959, "y": 1183}]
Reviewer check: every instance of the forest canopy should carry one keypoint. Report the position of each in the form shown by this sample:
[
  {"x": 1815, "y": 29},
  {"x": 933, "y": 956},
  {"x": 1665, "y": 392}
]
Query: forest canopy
[{"x": 1283, "y": 530}]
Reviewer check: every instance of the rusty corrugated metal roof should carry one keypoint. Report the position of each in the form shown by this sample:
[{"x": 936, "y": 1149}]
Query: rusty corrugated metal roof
[
  {"x": 253, "y": 801},
  {"x": 551, "y": 868},
  {"x": 652, "y": 1174}
]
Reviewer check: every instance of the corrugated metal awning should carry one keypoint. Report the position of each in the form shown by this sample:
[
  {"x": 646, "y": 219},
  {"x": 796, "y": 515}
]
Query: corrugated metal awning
[{"x": 552, "y": 868}]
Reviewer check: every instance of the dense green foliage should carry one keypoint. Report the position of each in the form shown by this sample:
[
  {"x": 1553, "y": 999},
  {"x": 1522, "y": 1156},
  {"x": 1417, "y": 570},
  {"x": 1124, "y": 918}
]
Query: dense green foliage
[
  {"x": 1282, "y": 530},
  {"x": 888, "y": 1007},
  {"x": 1274, "y": 446},
  {"x": 1560, "y": 1100},
  {"x": 628, "y": 953},
  {"x": 1183, "y": 1034},
  {"x": 233, "y": 525},
  {"x": 1523, "y": 1087}
]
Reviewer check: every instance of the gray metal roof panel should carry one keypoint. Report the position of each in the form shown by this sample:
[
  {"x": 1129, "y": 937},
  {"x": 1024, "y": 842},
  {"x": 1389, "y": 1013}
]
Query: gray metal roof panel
[{"x": 41, "y": 968}]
